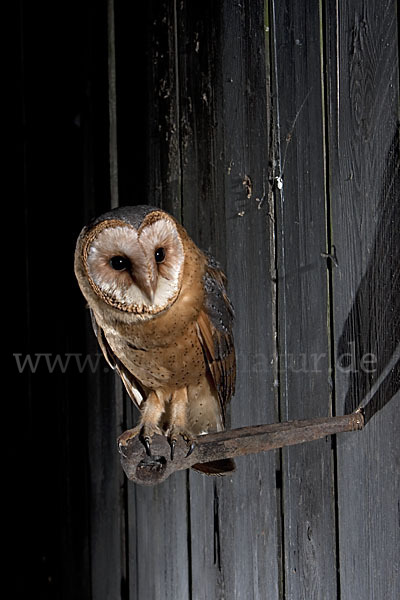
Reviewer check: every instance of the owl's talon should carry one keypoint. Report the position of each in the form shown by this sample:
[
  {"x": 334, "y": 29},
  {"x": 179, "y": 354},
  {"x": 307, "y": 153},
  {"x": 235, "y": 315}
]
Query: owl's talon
[
  {"x": 174, "y": 433},
  {"x": 146, "y": 443},
  {"x": 122, "y": 453},
  {"x": 144, "y": 431},
  {"x": 192, "y": 447},
  {"x": 172, "y": 443}
]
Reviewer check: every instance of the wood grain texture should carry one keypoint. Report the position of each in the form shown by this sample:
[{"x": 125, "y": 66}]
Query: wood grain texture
[
  {"x": 105, "y": 402},
  {"x": 247, "y": 515},
  {"x": 107, "y": 510},
  {"x": 163, "y": 124},
  {"x": 203, "y": 214},
  {"x": 303, "y": 302},
  {"x": 74, "y": 512},
  {"x": 283, "y": 522},
  {"x": 159, "y": 563},
  {"x": 364, "y": 161},
  {"x": 224, "y": 174},
  {"x": 157, "y": 520}
]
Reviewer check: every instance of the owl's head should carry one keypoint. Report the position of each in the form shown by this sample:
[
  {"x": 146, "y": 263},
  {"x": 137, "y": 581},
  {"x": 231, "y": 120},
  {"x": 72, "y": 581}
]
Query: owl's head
[{"x": 133, "y": 259}]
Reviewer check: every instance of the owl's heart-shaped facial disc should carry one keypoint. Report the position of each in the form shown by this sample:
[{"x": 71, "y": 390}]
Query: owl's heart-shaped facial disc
[{"x": 137, "y": 271}]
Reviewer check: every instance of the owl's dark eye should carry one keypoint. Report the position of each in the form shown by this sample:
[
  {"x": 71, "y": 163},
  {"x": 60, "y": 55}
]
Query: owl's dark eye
[
  {"x": 159, "y": 255},
  {"x": 120, "y": 263}
]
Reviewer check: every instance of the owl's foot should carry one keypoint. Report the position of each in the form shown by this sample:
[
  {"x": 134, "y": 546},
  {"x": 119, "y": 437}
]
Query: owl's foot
[
  {"x": 173, "y": 436},
  {"x": 147, "y": 426},
  {"x": 178, "y": 421},
  {"x": 145, "y": 431}
]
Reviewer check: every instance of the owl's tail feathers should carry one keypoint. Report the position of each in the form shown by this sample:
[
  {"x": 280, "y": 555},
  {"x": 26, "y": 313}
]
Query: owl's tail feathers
[{"x": 216, "y": 467}]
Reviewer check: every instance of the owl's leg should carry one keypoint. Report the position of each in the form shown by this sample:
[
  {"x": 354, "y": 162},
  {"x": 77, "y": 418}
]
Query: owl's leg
[
  {"x": 151, "y": 412},
  {"x": 178, "y": 421}
]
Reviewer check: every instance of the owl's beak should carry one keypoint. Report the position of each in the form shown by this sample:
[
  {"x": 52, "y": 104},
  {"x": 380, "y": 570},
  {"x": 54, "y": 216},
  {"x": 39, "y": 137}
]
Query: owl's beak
[
  {"x": 149, "y": 285},
  {"x": 150, "y": 293}
]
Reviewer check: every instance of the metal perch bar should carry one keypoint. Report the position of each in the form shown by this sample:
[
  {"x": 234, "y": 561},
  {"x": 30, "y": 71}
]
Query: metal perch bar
[{"x": 144, "y": 469}]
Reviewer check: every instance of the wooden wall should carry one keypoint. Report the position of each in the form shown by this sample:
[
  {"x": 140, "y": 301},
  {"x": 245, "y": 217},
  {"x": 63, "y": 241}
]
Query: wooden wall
[{"x": 271, "y": 130}]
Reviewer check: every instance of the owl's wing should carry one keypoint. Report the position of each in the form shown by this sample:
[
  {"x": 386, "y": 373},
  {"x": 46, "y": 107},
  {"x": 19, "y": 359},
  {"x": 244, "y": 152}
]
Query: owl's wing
[
  {"x": 215, "y": 332},
  {"x": 132, "y": 386}
]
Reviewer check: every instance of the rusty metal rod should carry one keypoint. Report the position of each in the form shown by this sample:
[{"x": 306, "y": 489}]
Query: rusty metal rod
[{"x": 228, "y": 444}]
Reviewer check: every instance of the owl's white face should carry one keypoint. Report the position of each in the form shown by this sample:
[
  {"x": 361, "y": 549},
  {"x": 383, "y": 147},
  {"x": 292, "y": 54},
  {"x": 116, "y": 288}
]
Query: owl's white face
[{"x": 135, "y": 271}]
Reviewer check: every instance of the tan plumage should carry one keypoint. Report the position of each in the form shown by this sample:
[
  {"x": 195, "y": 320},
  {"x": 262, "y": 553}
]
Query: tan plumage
[{"x": 163, "y": 321}]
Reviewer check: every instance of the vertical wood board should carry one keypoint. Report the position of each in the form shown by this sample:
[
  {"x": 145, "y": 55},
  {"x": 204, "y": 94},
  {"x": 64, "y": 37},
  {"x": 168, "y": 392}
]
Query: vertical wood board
[
  {"x": 364, "y": 188},
  {"x": 249, "y": 503},
  {"x": 158, "y": 518},
  {"x": 303, "y": 305}
]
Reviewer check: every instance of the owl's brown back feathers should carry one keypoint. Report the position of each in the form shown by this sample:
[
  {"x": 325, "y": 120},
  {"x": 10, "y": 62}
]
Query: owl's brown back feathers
[{"x": 215, "y": 323}]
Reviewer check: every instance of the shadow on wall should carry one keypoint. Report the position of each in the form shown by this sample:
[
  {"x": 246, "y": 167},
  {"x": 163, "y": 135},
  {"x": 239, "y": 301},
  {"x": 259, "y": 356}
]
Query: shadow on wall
[{"x": 371, "y": 334}]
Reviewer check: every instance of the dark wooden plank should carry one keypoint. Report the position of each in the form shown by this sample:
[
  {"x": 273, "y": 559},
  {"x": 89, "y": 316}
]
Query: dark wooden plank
[
  {"x": 157, "y": 522},
  {"x": 159, "y": 534},
  {"x": 130, "y": 92},
  {"x": 64, "y": 102},
  {"x": 364, "y": 162},
  {"x": 103, "y": 390},
  {"x": 201, "y": 125},
  {"x": 246, "y": 507},
  {"x": 303, "y": 309},
  {"x": 224, "y": 143},
  {"x": 163, "y": 129},
  {"x": 203, "y": 214},
  {"x": 106, "y": 485}
]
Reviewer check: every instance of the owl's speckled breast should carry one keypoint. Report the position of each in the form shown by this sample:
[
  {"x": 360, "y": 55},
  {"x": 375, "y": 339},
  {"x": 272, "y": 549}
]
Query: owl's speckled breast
[{"x": 172, "y": 366}]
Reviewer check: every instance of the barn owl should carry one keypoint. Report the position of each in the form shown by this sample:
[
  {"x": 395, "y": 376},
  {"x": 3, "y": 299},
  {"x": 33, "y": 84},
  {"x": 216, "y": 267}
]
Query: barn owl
[{"x": 163, "y": 321}]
